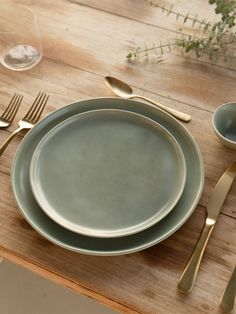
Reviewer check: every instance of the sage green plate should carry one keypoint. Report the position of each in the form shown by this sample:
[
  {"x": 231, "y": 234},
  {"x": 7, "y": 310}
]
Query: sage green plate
[
  {"x": 107, "y": 173},
  {"x": 110, "y": 246}
]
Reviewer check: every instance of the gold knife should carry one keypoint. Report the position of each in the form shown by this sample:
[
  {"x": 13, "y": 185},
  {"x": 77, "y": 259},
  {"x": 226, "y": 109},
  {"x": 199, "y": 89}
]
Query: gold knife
[
  {"x": 215, "y": 203},
  {"x": 228, "y": 298}
]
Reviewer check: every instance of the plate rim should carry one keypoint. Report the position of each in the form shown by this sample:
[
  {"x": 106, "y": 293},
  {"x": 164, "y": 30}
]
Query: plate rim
[
  {"x": 122, "y": 251},
  {"x": 65, "y": 223}
]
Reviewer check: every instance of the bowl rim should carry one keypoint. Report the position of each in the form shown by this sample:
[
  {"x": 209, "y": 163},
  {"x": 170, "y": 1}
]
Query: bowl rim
[{"x": 214, "y": 125}]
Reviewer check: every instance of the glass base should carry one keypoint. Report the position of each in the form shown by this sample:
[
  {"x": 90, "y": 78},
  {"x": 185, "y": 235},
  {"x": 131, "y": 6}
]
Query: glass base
[{"x": 21, "y": 57}]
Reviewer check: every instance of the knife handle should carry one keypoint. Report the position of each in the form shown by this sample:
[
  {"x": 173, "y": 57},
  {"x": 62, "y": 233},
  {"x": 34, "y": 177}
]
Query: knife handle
[
  {"x": 188, "y": 277},
  {"x": 228, "y": 297}
]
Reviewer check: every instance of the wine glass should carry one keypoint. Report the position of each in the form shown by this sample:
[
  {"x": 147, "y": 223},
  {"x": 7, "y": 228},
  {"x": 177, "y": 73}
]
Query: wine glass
[{"x": 20, "y": 42}]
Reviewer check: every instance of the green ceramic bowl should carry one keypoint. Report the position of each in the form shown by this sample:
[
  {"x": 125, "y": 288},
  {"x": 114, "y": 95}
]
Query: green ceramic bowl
[{"x": 224, "y": 124}]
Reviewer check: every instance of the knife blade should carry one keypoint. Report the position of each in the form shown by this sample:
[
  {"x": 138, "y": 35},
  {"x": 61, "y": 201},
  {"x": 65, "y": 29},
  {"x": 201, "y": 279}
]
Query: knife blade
[{"x": 220, "y": 192}]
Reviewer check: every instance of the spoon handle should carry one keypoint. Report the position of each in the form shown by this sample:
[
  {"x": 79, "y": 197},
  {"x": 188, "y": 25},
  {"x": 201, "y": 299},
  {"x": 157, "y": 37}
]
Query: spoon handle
[{"x": 177, "y": 114}]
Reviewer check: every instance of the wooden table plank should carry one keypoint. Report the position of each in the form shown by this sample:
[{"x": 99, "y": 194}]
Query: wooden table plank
[
  {"x": 143, "y": 281},
  {"x": 71, "y": 39},
  {"x": 83, "y": 41},
  {"x": 143, "y": 12}
]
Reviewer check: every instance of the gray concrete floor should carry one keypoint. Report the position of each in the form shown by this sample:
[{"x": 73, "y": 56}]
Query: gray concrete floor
[{"x": 22, "y": 292}]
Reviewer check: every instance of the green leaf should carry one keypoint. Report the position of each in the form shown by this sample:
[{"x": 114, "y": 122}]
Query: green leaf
[{"x": 130, "y": 55}]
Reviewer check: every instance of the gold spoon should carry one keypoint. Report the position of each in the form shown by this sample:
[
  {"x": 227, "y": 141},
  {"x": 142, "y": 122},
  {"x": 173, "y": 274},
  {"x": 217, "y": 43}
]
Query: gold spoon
[{"x": 125, "y": 91}]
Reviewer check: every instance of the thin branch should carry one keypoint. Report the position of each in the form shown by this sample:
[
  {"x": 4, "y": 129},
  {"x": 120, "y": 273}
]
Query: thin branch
[{"x": 185, "y": 17}]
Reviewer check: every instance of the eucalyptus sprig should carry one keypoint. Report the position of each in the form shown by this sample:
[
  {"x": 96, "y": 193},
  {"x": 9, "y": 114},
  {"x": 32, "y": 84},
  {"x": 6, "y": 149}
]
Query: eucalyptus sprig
[
  {"x": 185, "y": 18},
  {"x": 213, "y": 39}
]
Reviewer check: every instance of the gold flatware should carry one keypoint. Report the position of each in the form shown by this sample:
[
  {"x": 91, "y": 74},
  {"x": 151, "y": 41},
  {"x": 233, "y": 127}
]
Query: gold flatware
[
  {"x": 228, "y": 298},
  {"x": 29, "y": 120},
  {"x": 11, "y": 110},
  {"x": 214, "y": 206},
  {"x": 123, "y": 90}
]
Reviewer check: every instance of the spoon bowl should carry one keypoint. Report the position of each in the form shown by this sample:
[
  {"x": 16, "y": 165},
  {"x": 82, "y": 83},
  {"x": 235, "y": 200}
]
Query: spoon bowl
[{"x": 119, "y": 87}]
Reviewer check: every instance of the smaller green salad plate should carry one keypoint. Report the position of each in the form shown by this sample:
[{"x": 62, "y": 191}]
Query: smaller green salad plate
[{"x": 107, "y": 173}]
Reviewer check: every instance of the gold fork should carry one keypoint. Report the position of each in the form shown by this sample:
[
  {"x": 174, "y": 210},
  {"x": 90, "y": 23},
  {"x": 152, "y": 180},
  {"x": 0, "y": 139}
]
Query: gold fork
[
  {"x": 11, "y": 110},
  {"x": 30, "y": 119}
]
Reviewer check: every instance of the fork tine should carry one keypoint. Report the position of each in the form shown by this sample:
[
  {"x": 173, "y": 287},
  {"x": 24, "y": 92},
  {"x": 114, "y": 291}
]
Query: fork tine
[
  {"x": 5, "y": 113},
  {"x": 34, "y": 114},
  {"x": 40, "y": 109},
  {"x": 14, "y": 108},
  {"x": 33, "y": 106}
]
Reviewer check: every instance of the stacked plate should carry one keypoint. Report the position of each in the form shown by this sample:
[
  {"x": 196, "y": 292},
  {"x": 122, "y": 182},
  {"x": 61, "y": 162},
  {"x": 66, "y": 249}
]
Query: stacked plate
[{"x": 107, "y": 176}]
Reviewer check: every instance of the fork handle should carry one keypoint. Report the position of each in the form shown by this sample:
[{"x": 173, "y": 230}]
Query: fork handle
[
  {"x": 9, "y": 139},
  {"x": 188, "y": 277}
]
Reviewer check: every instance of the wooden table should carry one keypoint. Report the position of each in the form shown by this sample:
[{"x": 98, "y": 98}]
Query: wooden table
[{"x": 83, "y": 41}]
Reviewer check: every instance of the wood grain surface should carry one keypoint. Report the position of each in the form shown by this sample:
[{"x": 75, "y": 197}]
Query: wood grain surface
[{"x": 83, "y": 41}]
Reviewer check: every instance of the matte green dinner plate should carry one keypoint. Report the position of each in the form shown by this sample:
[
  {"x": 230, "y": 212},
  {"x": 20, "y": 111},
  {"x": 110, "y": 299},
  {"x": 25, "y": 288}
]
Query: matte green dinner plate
[
  {"x": 107, "y": 173},
  {"x": 107, "y": 246}
]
